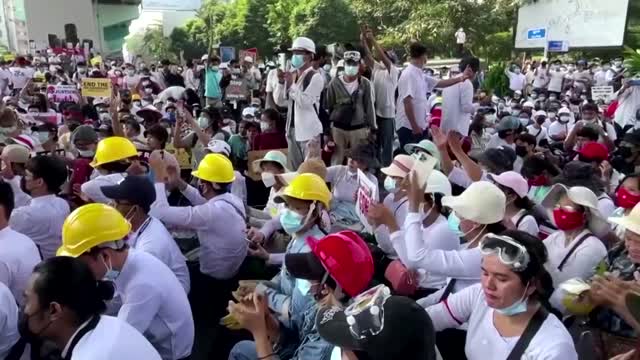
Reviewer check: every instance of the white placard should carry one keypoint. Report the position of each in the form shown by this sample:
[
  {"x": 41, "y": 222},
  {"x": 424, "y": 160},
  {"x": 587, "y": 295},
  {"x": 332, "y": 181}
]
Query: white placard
[
  {"x": 602, "y": 93},
  {"x": 366, "y": 195}
]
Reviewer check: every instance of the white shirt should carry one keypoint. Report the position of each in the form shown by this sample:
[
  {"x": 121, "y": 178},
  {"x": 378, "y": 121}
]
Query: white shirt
[
  {"x": 42, "y": 221},
  {"x": 5, "y": 79},
  {"x": 457, "y": 107},
  {"x": 461, "y": 37},
  {"x": 602, "y": 78},
  {"x": 155, "y": 304},
  {"x": 385, "y": 83},
  {"x": 541, "y": 78},
  {"x": 538, "y": 133},
  {"x": 8, "y": 321},
  {"x": 303, "y": 103},
  {"x": 112, "y": 339},
  {"x": 344, "y": 185},
  {"x": 399, "y": 208},
  {"x": 219, "y": 222},
  {"x": 131, "y": 81},
  {"x": 416, "y": 245},
  {"x": 190, "y": 80},
  {"x": 18, "y": 256},
  {"x": 460, "y": 177},
  {"x": 495, "y": 141},
  {"x": 581, "y": 264},
  {"x": 557, "y": 128},
  {"x": 153, "y": 238},
  {"x": 556, "y": 80},
  {"x": 272, "y": 84},
  {"x": 413, "y": 82},
  {"x": 516, "y": 81},
  {"x": 20, "y": 76},
  {"x": 528, "y": 223},
  {"x": 551, "y": 342},
  {"x": 20, "y": 198},
  {"x": 350, "y": 86},
  {"x": 175, "y": 92},
  {"x": 609, "y": 129},
  {"x": 92, "y": 188}
]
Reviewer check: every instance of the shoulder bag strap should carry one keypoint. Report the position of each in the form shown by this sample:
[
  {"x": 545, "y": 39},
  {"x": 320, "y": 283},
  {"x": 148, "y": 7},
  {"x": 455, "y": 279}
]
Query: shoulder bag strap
[
  {"x": 529, "y": 332},
  {"x": 519, "y": 221},
  {"x": 395, "y": 211},
  {"x": 448, "y": 290},
  {"x": 573, "y": 249},
  {"x": 234, "y": 208},
  {"x": 76, "y": 339}
]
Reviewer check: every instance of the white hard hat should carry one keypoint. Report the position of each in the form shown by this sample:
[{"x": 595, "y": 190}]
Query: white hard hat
[
  {"x": 564, "y": 110},
  {"x": 248, "y": 59},
  {"x": 482, "y": 202},
  {"x": 303, "y": 43},
  {"x": 219, "y": 147},
  {"x": 540, "y": 113},
  {"x": 204, "y": 57},
  {"x": 527, "y": 104},
  {"x": 438, "y": 183}
]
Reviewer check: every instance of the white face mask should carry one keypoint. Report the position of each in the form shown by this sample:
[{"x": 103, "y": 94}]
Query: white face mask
[
  {"x": 131, "y": 72},
  {"x": 264, "y": 126},
  {"x": 43, "y": 136},
  {"x": 268, "y": 179}
]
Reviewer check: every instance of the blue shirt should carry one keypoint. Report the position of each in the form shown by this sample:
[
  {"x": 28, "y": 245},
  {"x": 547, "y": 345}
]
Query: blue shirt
[{"x": 212, "y": 84}]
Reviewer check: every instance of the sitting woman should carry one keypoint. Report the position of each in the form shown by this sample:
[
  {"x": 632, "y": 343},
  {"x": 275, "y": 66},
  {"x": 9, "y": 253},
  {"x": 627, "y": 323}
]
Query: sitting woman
[
  {"x": 511, "y": 298},
  {"x": 519, "y": 212},
  {"x": 627, "y": 197},
  {"x": 344, "y": 182}
]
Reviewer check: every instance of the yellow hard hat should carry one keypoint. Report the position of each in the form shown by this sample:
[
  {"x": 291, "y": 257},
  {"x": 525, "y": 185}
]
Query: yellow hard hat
[
  {"x": 215, "y": 168},
  {"x": 89, "y": 226},
  {"x": 113, "y": 148},
  {"x": 135, "y": 97},
  {"x": 307, "y": 186}
]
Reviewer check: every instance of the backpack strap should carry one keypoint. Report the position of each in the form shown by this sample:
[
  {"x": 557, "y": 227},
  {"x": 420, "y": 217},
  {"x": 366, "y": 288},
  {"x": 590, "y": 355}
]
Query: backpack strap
[
  {"x": 573, "y": 249},
  {"x": 519, "y": 221},
  {"x": 529, "y": 332}
]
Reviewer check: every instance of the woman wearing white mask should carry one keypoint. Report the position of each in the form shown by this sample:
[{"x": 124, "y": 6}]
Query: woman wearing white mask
[
  {"x": 519, "y": 209},
  {"x": 306, "y": 199},
  {"x": 344, "y": 183},
  {"x": 507, "y": 313},
  {"x": 396, "y": 201},
  {"x": 270, "y": 166}
]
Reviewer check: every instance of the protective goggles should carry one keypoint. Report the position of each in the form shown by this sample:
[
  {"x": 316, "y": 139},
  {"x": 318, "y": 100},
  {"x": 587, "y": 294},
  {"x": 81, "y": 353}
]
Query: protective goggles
[
  {"x": 365, "y": 316},
  {"x": 510, "y": 253},
  {"x": 351, "y": 55}
]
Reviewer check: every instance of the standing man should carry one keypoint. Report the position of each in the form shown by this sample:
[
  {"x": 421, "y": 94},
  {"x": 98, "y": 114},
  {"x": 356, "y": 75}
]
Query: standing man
[
  {"x": 351, "y": 112},
  {"x": 461, "y": 38},
  {"x": 213, "y": 77},
  {"x": 457, "y": 100},
  {"x": 517, "y": 81},
  {"x": 302, "y": 87},
  {"x": 21, "y": 74},
  {"x": 413, "y": 86},
  {"x": 385, "y": 83}
]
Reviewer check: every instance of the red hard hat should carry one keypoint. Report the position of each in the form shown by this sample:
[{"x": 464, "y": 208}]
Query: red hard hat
[{"x": 347, "y": 258}]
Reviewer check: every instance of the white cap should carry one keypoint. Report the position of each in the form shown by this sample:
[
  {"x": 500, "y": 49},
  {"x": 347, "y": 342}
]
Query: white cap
[
  {"x": 630, "y": 222},
  {"x": 248, "y": 59},
  {"x": 482, "y": 202},
  {"x": 249, "y": 111},
  {"x": 303, "y": 43},
  {"x": 513, "y": 181},
  {"x": 581, "y": 196},
  {"x": 438, "y": 183},
  {"x": 564, "y": 110},
  {"x": 528, "y": 104},
  {"x": 219, "y": 147},
  {"x": 540, "y": 113},
  {"x": 205, "y": 57}
]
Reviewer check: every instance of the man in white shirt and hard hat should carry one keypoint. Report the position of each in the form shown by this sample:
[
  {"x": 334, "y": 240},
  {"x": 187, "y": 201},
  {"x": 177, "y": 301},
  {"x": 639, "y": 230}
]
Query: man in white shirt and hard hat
[{"x": 153, "y": 300}]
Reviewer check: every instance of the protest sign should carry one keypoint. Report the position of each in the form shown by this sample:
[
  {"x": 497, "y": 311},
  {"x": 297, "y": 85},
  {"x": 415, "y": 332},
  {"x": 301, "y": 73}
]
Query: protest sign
[
  {"x": 236, "y": 90},
  {"x": 252, "y": 53},
  {"x": 602, "y": 93},
  {"x": 60, "y": 93},
  {"x": 227, "y": 53},
  {"x": 51, "y": 118},
  {"x": 366, "y": 195},
  {"x": 96, "y": 87}
]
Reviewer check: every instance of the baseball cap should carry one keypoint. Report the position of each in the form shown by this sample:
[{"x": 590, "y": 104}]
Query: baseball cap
[
  {"x": 513, "y": 181},
  {"x": 136, "y": 189},
  {"x": 481, "y": 202},
  {"x": 593, "y": 151},
  {"x": 400, "y": 166},
  {"x": 408, "y": 332},
  {"x": 249, "y": 112},
  {"x": 15, "y": 153},
  {"x": 303, "y": 43}
]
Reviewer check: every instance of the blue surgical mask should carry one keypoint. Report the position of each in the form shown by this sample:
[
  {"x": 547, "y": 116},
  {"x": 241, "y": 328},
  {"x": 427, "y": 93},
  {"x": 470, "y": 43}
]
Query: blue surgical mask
[
  {"x": 111, "y": 274},
  {"x": 297, "y": 61},
  {"x": 517, "y": 307},
  {"x": 351, "y": 70},
  {"x": 390, "y": 184},
  {"x": 291, "y": 221},
  {"x": 453, "y": 221},
  {"x": 203, "y": 122}
]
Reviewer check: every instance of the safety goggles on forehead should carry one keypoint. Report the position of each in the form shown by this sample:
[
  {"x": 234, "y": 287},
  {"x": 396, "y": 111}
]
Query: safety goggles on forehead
[
  {"x": 510, "y": 253},
  {"x": 365, "y": 316},
  {"x": 351, "y": 55}
]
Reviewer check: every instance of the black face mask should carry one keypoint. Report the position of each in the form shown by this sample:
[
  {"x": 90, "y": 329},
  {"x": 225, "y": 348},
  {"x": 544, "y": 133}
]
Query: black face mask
[
  {"x": 624, "y": 152},
  {"x": 521, "y": 150},
  {"x": 23, "y": 328}
]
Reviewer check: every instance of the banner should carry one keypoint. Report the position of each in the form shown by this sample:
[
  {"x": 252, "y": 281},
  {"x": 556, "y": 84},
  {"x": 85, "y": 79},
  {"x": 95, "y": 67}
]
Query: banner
[
  {"x": 602, "y": 93},
  {"x": 236, "y": 90},
  {"x": 60, "y": 93},
  {"x": 366, "y": 195},
  {"x": 253, "y": 53},
  {"x": 96, "y": 87},
  {"x": 51, "y": 118}
]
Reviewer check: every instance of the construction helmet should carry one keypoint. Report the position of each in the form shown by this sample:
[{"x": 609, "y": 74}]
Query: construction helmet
[
  {"x": 113, "y": 148},
  {"x": 307, "y": 187},
  {"x": 89, "y": 226},
  {"x": 215, "y": 168},
  {"x": 347, "y": 258}
]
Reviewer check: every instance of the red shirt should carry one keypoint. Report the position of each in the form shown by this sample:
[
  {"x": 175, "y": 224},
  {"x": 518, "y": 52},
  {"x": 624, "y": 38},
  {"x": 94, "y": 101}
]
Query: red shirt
[{"x": 269, "y": 141}]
